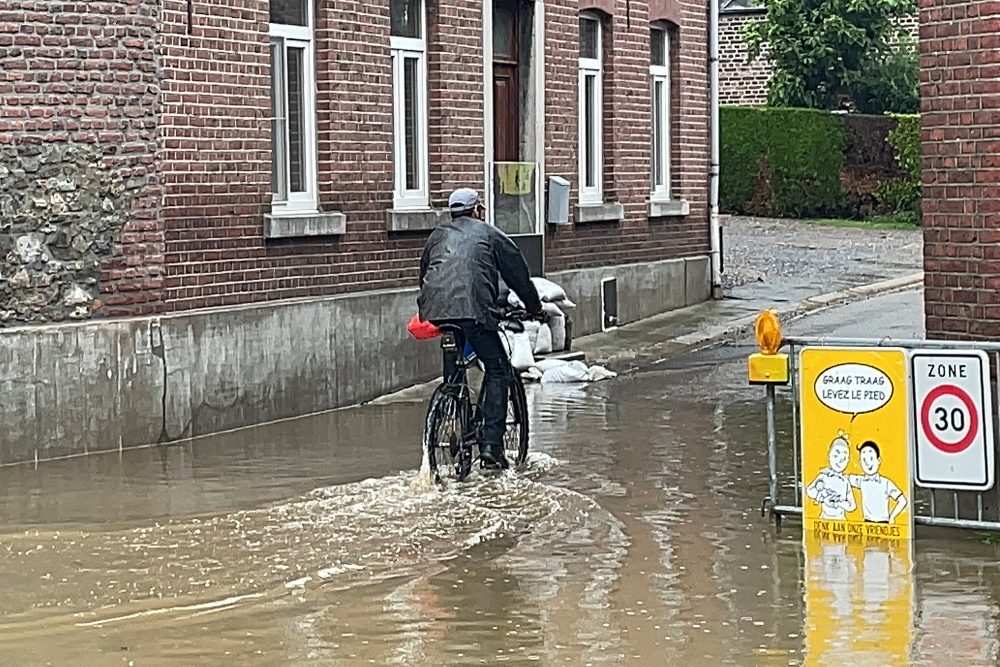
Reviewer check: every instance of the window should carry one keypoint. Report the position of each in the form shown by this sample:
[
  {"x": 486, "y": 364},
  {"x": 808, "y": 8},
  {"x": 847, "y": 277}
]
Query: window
[
  {"x": 591, "y": 117},
  {"x": 293, "y": 121},
  {"x": 659, "y": 74},
  {"x": 409, "y": 89}
]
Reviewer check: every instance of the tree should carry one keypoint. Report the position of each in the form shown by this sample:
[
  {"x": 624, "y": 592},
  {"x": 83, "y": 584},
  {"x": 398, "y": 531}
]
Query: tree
[{"x": 825, "y": 52}]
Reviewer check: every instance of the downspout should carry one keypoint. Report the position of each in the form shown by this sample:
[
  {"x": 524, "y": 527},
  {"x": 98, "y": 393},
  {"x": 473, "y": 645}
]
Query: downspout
[{"x": 714, "y": 230}]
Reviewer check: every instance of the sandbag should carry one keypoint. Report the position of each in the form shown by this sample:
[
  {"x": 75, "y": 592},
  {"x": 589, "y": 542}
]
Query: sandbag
[
  {"x": 548, "y": 290},
  {"x": 557, "y": 325},
  {"x": 543, "y": 344},
  {"x": 532, "y": 375},
  {"x": 531, "y": 327},
  {"x": 570, "y": 371},
  {"x": 545, "y": 364},
  {"x": 551, "y": 310},
  {"x": 564, "y": 304},
  {"x": 598, "y": 373},
  {"x": 521, "y": 357}
]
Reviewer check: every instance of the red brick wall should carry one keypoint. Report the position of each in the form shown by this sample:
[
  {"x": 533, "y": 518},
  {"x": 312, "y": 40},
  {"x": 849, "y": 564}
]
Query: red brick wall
[
  {"x": 78, "y": 96},
  {"x": 218, "y": 106},
  {"x": 179, "y": 104},
  {"x": 628, "y": 124},
  {"x": 960, "y": 104}
]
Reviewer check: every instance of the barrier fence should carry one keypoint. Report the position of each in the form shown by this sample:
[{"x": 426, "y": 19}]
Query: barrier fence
[{"x": 950, "y": 427}]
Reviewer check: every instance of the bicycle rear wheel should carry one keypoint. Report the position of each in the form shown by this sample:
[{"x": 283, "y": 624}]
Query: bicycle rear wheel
[
  {"x": 515, "y": 439},
  {"x": 445, "y": 433}
]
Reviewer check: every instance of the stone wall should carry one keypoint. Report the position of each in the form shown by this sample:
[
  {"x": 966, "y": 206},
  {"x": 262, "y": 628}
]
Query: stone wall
[
  {"x": 61, "y": 212},
  {"x": 79, "y": 230},
  {"x": 743, "y": 83}
]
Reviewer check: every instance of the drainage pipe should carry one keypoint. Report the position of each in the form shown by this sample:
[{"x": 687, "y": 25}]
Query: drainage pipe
[{"x": 715, "y": 232}]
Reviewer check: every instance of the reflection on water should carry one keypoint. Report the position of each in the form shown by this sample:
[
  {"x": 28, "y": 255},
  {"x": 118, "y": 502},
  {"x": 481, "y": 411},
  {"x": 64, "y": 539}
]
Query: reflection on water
[{"x": 634, "y": 537}]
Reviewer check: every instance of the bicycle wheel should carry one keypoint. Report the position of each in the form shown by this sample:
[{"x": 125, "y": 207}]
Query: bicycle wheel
[
  {"x": 445, "y": 432},
  {"x": 515, "y": 439}
]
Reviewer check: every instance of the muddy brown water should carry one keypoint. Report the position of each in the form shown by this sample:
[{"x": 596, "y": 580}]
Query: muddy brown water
[{"x": 633, "y": 537}]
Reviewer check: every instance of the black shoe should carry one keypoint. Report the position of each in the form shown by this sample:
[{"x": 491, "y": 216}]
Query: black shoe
[{"x": 492, "y": 456}]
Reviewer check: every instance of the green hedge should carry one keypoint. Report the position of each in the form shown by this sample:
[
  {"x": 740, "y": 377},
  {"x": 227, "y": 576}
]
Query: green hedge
[
  {"x": 780, "y": 162},
  {"x": 806, "y": 163},
  {"x": 902, "y": 195}
]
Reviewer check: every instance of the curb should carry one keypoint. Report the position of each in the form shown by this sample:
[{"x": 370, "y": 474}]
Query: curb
[{"x": 740, "y": 327}]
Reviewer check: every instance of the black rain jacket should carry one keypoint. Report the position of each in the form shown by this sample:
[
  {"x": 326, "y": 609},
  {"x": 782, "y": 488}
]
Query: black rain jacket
[{"x": 459, "y": 272}]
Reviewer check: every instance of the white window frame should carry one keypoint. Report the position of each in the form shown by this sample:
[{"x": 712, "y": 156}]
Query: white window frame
[
  {"x": 300, "y": 37},
  {"x": 660, "y": 74},
  {"x": 592, "y": 67},
  {"x": 404, "y": 198}
]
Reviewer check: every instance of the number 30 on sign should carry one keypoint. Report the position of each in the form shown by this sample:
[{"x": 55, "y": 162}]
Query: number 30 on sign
[{"x": 953, "y": 419}]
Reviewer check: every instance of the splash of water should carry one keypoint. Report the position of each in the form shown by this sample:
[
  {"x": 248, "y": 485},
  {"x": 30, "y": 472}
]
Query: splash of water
[{"x": 424, "y": 480}]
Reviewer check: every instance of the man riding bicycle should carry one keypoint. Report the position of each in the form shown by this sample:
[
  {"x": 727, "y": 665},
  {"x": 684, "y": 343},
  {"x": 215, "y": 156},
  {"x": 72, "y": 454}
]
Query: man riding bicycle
[{"x": 459, "y": 286}]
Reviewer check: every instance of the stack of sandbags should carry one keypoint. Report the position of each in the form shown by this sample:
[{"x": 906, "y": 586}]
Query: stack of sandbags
[{"x": 551, "y": 334}]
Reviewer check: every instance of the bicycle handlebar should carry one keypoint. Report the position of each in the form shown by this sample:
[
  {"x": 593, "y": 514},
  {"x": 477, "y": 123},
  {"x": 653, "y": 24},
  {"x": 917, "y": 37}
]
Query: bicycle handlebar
[{"x": 520, "y": 315}]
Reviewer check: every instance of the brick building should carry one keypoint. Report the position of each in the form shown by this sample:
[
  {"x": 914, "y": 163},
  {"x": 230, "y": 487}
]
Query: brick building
[
  {"x": 960, "y": 107},
  {"x": 255, "y": 180}
]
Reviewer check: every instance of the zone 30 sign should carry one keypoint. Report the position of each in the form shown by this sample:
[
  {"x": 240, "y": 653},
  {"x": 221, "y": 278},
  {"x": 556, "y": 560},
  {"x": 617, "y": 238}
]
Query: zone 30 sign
[{"x": 952, "y": 419}]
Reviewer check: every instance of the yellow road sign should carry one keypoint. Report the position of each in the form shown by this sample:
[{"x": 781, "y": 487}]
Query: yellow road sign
[{"x": 856, "y": 463}]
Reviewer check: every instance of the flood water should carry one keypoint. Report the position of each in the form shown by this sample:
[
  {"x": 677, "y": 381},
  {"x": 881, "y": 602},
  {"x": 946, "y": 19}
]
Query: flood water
[{"x": 634, "y": 537}]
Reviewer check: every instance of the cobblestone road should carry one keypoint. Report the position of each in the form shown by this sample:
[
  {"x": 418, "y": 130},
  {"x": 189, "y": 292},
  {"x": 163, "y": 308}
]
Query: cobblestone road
[{"x": 792, "y": 260}]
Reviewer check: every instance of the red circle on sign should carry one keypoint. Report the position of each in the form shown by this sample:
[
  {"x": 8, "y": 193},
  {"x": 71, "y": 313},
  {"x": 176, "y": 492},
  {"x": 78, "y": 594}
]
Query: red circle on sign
[{"x": 925, "y": 418}]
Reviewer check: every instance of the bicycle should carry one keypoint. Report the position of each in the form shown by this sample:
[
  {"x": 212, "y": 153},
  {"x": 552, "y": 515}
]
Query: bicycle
[{"x": 453, "y": 420}]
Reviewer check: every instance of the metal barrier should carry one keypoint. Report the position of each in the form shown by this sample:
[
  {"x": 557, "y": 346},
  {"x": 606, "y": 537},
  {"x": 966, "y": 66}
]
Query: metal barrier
[{"x": 931, "y": 507}]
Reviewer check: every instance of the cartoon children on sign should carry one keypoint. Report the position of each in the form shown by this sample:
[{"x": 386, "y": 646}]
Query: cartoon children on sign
[
  {"x": 833, "y": 490},
  {"x": 876, "y": 490}
]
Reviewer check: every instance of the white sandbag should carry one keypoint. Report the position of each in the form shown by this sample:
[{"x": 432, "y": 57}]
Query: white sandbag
[
  {"x": 548, "y": 290},
  {"x": 531, "y": 327},
  {"x": 571, "y": 371},
  {"x": 514, "y": 300},
  {"x": 598, "y": 373},
  {"x": 564, "y": 304},
  {"x": 543, "y": 365},
  {"x": 543, "y": 344},
  {"x": 521, "y": 357},
  {"x": 557, "y": 325},
  {"x": 551, "y": 310},
  {"x": 532, "y": 375}
]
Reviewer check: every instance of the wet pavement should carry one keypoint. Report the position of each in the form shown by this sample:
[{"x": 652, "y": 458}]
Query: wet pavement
[
  {"x": 633, "y": 537},
  {"x": 786, "y": 260}
]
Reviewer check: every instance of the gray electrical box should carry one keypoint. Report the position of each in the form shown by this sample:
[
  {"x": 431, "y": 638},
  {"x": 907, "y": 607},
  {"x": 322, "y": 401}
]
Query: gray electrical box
[{"x": 558, "y": 200}]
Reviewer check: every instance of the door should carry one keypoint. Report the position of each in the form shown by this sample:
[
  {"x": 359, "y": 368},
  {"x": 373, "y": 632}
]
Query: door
[{"x": 506, "y": 88}]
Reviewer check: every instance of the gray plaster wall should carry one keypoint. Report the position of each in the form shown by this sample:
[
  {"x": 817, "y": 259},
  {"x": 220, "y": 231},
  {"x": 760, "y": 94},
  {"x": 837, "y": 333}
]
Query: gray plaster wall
[
  {"x": 644, "y": 290},
  {"x": 77, "y": 388},
  {"x": 104, "y": 385}
]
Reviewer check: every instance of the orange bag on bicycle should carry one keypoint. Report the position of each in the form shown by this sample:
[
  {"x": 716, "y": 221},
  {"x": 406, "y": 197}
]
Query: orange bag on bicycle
[{"x": 422, "y": 330}]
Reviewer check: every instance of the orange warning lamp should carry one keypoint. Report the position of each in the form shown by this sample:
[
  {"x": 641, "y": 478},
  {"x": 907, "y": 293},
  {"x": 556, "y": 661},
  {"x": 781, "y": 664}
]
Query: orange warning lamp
[{"x": 768, "y": 366}]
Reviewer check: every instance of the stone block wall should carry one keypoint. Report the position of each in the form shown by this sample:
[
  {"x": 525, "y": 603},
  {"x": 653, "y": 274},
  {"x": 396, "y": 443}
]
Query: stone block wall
[
  {"x": 79, "y": 194},
  {"x": 743, "y": 83}
]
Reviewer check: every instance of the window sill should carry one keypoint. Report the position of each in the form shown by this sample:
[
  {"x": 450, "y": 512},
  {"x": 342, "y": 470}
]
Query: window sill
[
  {"x": 668, "y": 208},
  {"x": 415, "y": 220},
  {"x": 288, "y": 225},
  {"x": 606, "y": 212}
]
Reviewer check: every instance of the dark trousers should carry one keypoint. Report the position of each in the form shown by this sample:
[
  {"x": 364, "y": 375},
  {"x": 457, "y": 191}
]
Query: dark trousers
[{"x": 496, "y": 380}]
